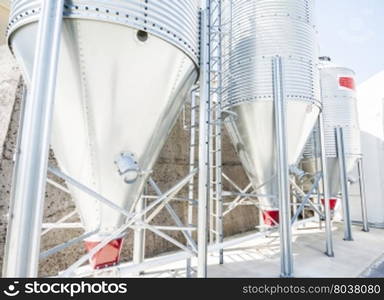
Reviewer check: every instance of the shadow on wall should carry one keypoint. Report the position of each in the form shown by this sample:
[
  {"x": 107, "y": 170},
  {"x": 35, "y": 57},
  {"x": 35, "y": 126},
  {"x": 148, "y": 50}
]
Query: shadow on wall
[{"x": 371, "y": 119}]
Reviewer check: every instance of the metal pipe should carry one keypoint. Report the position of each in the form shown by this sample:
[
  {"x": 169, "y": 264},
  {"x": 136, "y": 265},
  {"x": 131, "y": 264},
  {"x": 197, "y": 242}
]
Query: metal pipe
[
  {"x": 16, "y": 154},
  {"x": 139, "y": 235},
  {"x": 118, "y": 232},
  {"x": 325, "y": 183},
  {"x": 233, "y": 204},
  {"x": 204, "y": 125},
  {"x": 24, "y": 231},
  {"x": 216, "y": 218},
  {"x": 87, "y": 190},
  {"x": 169, "y": 228},
  {"x": 165, "y": 236},
  {"x": 174, "y": 216},
  {"x": 67, "y": 244},
  {"x": 58, "y": 186},
  {"x": 248, "y": 195},
  {"x": 364, "y": 214},
  {"x": 305, "y": 199},
  {"x": 283, "y": 172},
  {"x": 316, "y": 146},
  {"x": 344, "y": 184},
  {"x": 191, "y": 185},
  {"x": 61, "y": 220},
  {"x": 62, "y": 225},
  {"x": 211, "y": 214},
  {"x": 192, "y": 201}
]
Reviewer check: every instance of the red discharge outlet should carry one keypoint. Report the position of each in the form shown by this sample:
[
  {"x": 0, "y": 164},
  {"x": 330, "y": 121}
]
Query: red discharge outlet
[
  {"x": 107, "y": 256},
  {"x": 332, "y": 203},
  {"x": 271, "y": 217}
]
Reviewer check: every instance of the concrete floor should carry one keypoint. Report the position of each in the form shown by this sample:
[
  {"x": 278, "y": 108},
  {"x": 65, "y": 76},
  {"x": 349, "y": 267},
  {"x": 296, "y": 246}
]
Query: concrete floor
[{"x": 362, "y": 257}]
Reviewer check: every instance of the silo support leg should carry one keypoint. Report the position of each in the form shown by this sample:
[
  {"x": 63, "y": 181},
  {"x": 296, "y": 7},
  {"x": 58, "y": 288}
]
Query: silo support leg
[
  {"x": 204, "y": 147},
  {"x": 23, "y": 240},
  {"x": 328, "y": 221},
  {"x": 344, "y": 184},
  {"x": 282, "y": 170},
  {"x": 139, "y": 235},
  {"x": 364, "y": 214}
]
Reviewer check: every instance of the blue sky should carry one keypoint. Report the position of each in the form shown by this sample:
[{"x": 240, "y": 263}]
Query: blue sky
[{"x": 351, "y": 32}]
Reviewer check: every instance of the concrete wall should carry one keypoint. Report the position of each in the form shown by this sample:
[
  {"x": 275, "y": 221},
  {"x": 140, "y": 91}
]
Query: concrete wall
[
  {"x": 4, "y": 11},
  {"x": 171, "y": 166},
  {"x": 9, "y": 77}
]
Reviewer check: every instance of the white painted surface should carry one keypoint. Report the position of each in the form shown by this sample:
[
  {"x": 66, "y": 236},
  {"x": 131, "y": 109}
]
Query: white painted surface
[{"x": 371, "y": 118}]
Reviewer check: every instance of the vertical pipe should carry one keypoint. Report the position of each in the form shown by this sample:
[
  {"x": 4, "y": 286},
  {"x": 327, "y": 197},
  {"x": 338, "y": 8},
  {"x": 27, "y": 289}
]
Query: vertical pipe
[
  {"x": 23, "y": 241},
  {"x": 191, "y": 185},
  {"x": 364, "y": 214},
  {"x": 204, "y": 125},
  {"x": 325, "y": 183},
  {"x": 282, "y": 169},
  {"x": 344, "y": 183},
  {"x": 294, "y": 200},
  {"x": 316, "y": 151},
  {"x": 139, "y": 234}
]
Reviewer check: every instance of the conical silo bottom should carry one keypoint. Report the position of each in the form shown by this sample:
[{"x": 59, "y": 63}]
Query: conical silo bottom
[
  {"x": 117, "y": 97},
  {"x": 252, "y": 134}
]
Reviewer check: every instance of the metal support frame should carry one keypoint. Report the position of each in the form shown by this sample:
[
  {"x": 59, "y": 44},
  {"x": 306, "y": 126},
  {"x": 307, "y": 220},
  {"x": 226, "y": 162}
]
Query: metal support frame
[
  {"x": 139, "y": 235},
  {"x": 364, "y": 213},
  {"x": 325, "y": 185},
  {"x": 132, "y": 222},
  {"x": 344, "y": 183},
  {"x": 190, "y": 242},
  {"x": 306, "y": 199},
  {"x": 282, "y": 169},
  {"x": 204, "y": 139},
  {"x": 216, "y": 79},
  {"x": 126, "y": 269},
  {"x": 23, "y": 240}
]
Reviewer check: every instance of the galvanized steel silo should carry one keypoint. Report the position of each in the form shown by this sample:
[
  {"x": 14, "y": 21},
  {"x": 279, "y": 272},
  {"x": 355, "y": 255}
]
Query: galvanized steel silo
[
  {"x": 259, "y": 31},
  {"x": 339, "y": 110},
  {"x": 124, "y": 70}
]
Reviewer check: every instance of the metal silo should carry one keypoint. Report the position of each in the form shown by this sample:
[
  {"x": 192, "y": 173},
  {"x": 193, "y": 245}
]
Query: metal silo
[
  {"x": 124, "y": 70},
  {"x": 260, "y": 31},
  {"x": 340, "y": 111}
]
